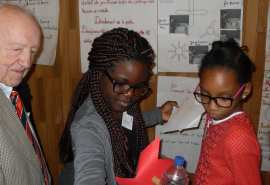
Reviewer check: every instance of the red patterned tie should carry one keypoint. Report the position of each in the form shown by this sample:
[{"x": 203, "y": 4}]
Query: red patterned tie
[{"x": 18, "y": 104}]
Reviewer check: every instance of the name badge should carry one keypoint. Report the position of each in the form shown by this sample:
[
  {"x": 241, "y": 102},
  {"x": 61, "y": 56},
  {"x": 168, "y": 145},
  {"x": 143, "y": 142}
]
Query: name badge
[{"x": 127, "y": 121}]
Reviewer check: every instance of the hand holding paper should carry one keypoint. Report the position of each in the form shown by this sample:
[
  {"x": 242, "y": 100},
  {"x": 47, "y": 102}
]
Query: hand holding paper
[
  {"x": 167, "y": 109},
  {"x": 187, "y": 116}
]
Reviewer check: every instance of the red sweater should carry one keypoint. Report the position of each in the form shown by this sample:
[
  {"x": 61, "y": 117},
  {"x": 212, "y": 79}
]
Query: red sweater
[{"x": 230, "y": 153}]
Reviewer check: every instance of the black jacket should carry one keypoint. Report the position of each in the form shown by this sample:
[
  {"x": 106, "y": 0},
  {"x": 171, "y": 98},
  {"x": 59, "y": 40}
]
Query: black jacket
[{"x": 25, "y": 94}]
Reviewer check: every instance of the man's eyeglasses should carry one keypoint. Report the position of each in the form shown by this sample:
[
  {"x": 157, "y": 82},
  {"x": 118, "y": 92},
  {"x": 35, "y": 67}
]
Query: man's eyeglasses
[
  {"x": 122, "y": 88},
  {"x": 220, "y": 101}
]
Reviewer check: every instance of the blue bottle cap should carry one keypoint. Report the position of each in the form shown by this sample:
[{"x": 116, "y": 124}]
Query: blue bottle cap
[{"x": 179, "y": 160}]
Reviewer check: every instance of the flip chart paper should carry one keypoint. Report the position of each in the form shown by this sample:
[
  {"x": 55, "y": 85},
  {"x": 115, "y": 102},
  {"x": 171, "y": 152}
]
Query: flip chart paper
[{"x": 186, "y": 143}]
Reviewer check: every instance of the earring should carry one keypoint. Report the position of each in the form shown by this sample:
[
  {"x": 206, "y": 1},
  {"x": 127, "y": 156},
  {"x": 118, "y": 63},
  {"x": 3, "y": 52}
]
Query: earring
[{"x": 244, "y": 96}]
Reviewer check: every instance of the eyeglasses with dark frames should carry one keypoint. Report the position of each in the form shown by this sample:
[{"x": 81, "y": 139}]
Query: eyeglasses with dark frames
[
  {"x": 122, "y": 88},
  {"x": 220, "y": 101}
]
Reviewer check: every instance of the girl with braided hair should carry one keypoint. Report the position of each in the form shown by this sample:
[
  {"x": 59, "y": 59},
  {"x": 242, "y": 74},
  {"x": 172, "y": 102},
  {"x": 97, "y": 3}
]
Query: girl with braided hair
[{"x": 105, "y": 131}]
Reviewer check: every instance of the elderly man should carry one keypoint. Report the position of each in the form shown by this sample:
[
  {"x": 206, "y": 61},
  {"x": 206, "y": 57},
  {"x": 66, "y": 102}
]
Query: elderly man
[{"x": 21, "y": 159}]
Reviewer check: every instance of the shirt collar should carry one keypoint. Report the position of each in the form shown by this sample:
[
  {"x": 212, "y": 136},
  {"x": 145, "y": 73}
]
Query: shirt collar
[
  {"x": 232, "y": 115},
  {"x": 7, "y": 90}
]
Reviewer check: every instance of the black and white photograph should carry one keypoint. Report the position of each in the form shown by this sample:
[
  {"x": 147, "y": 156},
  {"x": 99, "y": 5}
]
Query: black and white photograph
[
  {"x": 230, "y": 19},
  {"x": 196, "y": 54},
  {"x": 179, "y": 24}
]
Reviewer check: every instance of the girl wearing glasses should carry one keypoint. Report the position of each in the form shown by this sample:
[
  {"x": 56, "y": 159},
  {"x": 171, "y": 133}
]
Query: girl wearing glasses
[
  {"x": 230, "y": 152},
  {"x": 105, "y": 131}
]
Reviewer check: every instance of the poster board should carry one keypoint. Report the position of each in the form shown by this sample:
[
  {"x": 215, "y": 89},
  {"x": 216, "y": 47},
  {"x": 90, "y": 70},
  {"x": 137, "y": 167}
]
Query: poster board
[
  {"x": 186, "y": 143},
  {"x": 98, "y": 16},
  {"x": 187, "y": 28},
  {"x": 180, "y": 49},
  {"x": 263, "y": 134}
]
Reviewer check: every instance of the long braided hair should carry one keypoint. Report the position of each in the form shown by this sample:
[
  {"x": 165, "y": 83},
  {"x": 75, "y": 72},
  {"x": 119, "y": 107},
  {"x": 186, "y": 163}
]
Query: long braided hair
[{"x": 116, "y": 45}]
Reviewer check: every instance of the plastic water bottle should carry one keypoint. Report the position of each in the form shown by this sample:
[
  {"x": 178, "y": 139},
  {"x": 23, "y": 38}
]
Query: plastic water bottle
[{"x": 176, "y": 173}]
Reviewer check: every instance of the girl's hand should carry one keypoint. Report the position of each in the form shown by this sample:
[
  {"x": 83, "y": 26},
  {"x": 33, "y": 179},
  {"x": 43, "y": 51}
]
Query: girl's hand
[{"x": 167, "y": 109}]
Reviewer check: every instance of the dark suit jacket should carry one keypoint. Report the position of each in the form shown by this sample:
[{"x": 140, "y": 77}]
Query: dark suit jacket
[{"x": 25, "y": 94}]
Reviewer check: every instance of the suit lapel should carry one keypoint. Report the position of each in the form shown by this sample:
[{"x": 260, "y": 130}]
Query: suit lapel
[{"x": 12, "y": 124}]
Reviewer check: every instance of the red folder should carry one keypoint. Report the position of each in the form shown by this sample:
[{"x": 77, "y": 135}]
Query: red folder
[{"x": 149, "y": 165}]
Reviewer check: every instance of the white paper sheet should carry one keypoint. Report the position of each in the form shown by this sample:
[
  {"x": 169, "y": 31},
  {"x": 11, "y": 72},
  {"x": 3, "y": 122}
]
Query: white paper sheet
[
  {"x": 186, "y": 143},
  {"x": 197, "y": 25},
  {"x": 47, "y": 15},
  {"x": 98, "y": 16},
  {"x": 186, "y": 116},
  {"x": 184, "y": 25},
  {"x": 263, "y": 134}
]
